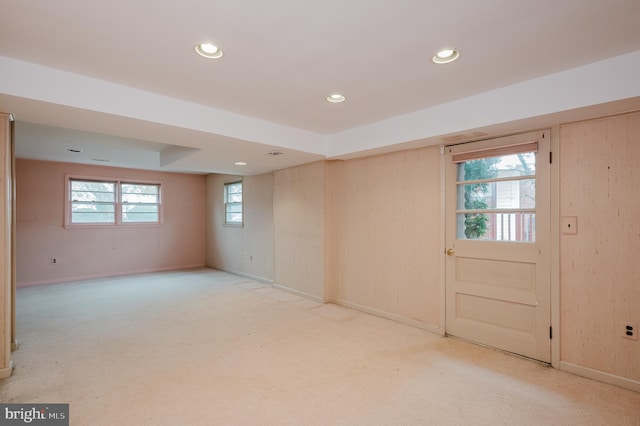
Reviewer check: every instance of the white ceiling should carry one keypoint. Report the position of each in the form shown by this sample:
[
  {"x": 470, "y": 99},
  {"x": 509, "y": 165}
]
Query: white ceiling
[{"x": 124, "y": 77}]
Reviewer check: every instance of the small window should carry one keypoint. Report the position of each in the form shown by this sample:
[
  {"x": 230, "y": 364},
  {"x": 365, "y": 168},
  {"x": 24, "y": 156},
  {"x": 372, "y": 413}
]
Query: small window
[
  {"x": 140, "y": 203},
  {"x": 233, "y": 203},
  {"x": 112, "y": 202},
  {"x": 93, "y": 202}
]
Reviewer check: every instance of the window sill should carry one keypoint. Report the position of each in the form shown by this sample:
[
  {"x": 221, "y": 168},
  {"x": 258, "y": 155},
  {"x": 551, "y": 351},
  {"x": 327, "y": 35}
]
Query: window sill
[
  {"x": 110, "y": 225},
  {"x": 234, "y": 225}
]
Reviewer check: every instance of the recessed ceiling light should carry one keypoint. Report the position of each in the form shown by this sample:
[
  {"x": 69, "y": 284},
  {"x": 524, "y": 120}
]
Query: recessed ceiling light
[
  {"x": 240, "y": 163},
  {"x": 336, "y": 98},
  {"x": 445, "y": 56},
  {"x": 209, "y": 50}
]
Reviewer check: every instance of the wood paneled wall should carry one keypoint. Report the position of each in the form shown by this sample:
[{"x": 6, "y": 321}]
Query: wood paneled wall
[
  {"x": 366, "y": 233},
  {"x": 600, "y": 265},
  {"x": 246, "y": 250},
  {"x": 299, "y": 227},
  {"x": 387, "y": 234}
]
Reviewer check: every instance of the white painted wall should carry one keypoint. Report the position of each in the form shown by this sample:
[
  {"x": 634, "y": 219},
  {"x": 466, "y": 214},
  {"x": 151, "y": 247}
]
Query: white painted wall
[{"x": 103, "y": 251}]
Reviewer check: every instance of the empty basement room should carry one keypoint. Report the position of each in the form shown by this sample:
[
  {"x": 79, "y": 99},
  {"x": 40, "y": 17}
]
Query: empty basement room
[{"x": 327, "y": 213}]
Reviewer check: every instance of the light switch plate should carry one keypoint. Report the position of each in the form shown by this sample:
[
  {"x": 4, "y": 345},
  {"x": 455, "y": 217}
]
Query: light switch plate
[{"x": 569, "y": 225}]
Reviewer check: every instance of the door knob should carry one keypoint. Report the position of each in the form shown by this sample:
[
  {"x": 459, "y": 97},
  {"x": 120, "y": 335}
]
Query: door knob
[{"x": 451, "y": 252}]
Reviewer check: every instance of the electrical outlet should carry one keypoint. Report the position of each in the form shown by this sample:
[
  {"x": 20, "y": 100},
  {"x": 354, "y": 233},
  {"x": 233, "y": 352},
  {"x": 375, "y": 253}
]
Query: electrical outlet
[{"x": 629, "y": 330}]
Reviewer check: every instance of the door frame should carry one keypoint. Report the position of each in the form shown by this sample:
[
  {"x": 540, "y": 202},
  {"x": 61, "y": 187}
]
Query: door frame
[
  {"x": 554, "y": 241},
  {"x": 554, "y": 237}
]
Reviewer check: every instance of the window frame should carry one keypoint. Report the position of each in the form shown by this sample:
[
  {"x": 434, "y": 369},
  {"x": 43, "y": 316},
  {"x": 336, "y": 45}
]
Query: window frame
[
  {"x": 127, "y": 203},
  {"x": 226, "y": 203},
  {"x": 118, "y": 202}
]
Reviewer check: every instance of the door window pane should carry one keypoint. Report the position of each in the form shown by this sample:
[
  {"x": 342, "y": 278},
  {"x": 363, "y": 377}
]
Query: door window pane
[
  {"x": 505, "y": 194},
  {"x": 519, "y": 226},
  {"x": 496, "y": 198}
]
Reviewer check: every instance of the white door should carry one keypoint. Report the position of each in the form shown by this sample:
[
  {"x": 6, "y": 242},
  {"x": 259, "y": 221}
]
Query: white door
[{"x": 497, "y": 235}]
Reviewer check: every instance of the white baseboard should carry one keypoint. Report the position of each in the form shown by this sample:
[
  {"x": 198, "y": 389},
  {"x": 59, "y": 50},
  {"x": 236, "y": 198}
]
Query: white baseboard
[
  {"x": 106, "y": 275},
  {"x": 249, "y": 276},
  {"x": 394, "y": 317},
  {"x": 600, "y": 376},
  {"x": 299, "y": 293},
  {"x": 6, "y": 372}
]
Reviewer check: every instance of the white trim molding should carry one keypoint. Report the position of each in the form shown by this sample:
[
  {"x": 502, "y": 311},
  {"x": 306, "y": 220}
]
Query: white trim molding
[
  {"x": 299, "y": 293},
  {"x": 555, "y": 246},
  {"x": 600, "y": 376},
  {"x": 390, "y": 316}
]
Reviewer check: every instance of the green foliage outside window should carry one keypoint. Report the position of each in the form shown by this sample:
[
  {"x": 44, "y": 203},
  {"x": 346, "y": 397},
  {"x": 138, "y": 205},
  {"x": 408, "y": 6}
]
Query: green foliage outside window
[{"x": 475, "y": 224}]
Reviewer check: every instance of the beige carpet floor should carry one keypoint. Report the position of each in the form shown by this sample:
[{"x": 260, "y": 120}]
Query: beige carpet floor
[{"x": 208, "y": 348}]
